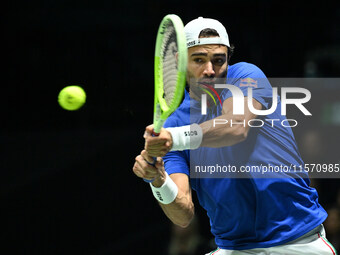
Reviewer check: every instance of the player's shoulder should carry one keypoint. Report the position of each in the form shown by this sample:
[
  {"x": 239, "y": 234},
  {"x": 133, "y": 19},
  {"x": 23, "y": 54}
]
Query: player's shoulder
[
  {"x": 245, "y": 69},
  {"x": 243, "y": 66}
]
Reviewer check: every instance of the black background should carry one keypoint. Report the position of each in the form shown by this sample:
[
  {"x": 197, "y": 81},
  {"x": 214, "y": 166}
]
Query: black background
[{"x": 66, "y": 178}]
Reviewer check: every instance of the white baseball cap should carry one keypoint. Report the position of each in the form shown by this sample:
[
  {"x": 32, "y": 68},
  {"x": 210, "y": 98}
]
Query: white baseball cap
[{"x": 194, "y": 28}]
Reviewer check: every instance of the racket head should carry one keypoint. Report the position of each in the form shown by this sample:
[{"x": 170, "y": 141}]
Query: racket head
[{"x": 170, "y": 68}]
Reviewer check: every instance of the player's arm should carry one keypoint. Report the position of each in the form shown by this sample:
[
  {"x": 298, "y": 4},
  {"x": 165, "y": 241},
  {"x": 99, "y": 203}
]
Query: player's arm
[
  {"x": 228, "y": 129},
  {"x": 215, "y": 133},
  {"x": 181, "y": 211},
  {"x": 176, "y": 201}
]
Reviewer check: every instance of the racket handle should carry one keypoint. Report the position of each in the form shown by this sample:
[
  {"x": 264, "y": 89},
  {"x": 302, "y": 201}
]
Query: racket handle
[{"x": 154, "y": 133}]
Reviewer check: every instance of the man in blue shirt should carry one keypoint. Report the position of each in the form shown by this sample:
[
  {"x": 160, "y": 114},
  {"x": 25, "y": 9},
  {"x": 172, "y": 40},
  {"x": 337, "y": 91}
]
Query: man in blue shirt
[{"x": 249, "y": 213}]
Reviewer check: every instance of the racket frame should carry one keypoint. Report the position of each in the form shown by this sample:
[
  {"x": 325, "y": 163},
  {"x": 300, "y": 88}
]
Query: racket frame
[{"x": 161, "y": 110}]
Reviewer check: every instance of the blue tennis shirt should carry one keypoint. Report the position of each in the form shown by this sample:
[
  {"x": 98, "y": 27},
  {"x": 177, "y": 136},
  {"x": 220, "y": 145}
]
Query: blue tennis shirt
[{"x": 249, "y": 211}]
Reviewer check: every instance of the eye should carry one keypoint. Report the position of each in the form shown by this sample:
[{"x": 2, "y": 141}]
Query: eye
[
  {"x": 218, "y": 61},
  {"x": 199, "y": 60}
]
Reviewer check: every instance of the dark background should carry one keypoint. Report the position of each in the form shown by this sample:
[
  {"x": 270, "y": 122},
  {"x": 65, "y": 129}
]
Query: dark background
[{"x": 66, "y": 181}]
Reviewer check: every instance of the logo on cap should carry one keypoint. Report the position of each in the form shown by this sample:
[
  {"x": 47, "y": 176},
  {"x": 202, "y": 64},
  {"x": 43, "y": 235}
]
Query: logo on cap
[{"x": 192, "y": 43}]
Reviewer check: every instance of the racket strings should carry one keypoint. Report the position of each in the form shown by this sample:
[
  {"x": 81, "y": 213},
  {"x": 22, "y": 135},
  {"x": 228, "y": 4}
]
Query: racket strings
[{"x": 169, "y": 50}]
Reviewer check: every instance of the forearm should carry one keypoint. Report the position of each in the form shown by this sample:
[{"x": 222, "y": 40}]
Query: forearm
[
  {"x": 219, "y": 132},
  {"x": 174, "y": 197},
  {"x": 229, "y": 128},
  {"x": 180, "y": 212}
]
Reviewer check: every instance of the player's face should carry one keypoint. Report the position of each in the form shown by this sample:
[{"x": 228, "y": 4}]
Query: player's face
[{"x": 206, "y": 63}]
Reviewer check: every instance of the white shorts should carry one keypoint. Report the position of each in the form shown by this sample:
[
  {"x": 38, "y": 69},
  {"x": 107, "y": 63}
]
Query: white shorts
[{"x": 312, "y": 243}]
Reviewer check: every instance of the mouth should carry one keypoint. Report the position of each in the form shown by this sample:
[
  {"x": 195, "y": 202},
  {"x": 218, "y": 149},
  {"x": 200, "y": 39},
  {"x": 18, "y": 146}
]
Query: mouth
[{"x": 208, "y": 83}]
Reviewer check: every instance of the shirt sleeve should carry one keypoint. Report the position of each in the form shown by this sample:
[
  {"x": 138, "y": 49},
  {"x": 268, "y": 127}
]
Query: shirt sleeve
[
  {"x": 177, "y": 162},
  {"x": 250, "y": 76}
]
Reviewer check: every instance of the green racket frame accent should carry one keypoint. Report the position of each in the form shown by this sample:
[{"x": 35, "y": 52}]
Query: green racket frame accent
[{"x": 161, "y": 109}]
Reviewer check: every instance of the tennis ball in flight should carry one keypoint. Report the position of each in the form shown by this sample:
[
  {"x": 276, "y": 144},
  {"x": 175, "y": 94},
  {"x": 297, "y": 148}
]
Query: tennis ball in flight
[{"x": 71, "y": 98}]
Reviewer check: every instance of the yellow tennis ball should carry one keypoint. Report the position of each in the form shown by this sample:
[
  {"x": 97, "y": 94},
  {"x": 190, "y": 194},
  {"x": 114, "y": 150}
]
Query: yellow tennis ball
[{"x": 71, "y": 98}]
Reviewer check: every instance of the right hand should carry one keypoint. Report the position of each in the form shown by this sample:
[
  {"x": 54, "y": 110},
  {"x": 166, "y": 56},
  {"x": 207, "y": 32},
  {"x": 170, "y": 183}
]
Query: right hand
[
  {"x": 157, "y": 146},
  {"x": 142, "y": 169}
]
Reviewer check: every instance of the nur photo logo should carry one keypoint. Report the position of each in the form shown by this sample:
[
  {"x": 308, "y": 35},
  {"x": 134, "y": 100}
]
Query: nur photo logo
[{"x": 239, "y": 104}]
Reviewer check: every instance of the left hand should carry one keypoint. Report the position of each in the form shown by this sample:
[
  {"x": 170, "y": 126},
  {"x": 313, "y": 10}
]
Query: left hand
[
  {"x": 157, "y": 146},
  {"x": 144, "y": 170}
]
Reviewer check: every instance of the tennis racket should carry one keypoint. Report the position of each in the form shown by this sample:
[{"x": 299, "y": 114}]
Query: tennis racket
[{"x": 170, "y": 69}]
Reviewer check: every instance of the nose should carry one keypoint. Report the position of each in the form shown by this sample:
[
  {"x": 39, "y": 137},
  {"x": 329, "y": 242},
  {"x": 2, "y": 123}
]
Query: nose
[{"x": 209, "y": 70}]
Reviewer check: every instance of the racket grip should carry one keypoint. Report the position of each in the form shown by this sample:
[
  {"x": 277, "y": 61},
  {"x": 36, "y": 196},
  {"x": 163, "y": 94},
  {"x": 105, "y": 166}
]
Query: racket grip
[{"x": 154, "y": 133}]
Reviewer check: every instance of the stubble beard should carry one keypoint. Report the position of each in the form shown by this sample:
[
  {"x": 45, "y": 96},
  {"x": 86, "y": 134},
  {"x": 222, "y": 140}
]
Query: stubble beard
[{"x": 195, "y": 85}]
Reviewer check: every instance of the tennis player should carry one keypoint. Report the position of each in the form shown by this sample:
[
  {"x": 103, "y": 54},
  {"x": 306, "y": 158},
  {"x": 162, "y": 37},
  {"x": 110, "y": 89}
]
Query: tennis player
[{"x": 275, "y": 215}]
